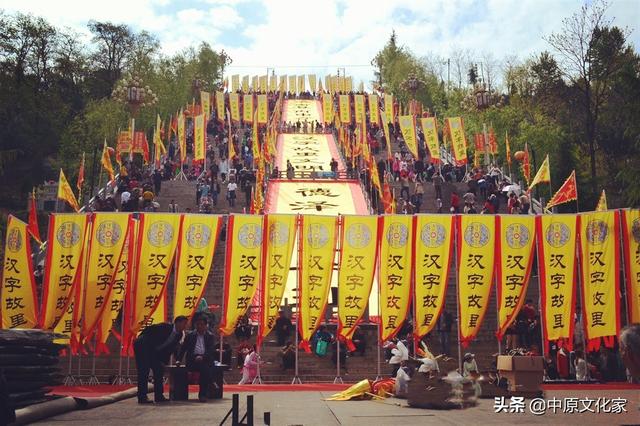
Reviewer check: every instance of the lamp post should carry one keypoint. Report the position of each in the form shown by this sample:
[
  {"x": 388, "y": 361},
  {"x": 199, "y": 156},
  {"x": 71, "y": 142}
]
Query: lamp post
[{"x": 412, "y": 83}]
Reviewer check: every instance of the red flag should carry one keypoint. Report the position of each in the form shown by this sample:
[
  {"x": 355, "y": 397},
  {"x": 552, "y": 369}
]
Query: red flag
[
  {"x": 567, "y": 192},
  {"x": 80, "y": 175},
  {"x": 32, "y": 227},
  {"x": 387, "y": 200},
  {"x": 526, "y": 166}
]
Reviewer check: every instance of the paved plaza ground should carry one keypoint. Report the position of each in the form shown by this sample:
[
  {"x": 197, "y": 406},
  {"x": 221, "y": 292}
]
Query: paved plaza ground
[{"x": 309, "y": 408}]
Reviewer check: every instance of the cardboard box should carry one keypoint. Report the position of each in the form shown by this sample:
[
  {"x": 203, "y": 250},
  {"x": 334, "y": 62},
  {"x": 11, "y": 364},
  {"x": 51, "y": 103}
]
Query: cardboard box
[
  {"x": 520, "y": 363},
  {"x": 526, "y": 381}
]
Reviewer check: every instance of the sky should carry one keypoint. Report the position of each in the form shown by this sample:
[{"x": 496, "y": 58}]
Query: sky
[{"x": 303, "y": 37}]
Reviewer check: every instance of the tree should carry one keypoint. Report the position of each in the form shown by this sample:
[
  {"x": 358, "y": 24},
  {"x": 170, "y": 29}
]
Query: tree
[{"x": 113, "y": 43}]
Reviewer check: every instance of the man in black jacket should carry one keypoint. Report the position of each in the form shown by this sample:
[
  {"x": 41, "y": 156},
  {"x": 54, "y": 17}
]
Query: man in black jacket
[
  {"x": 199, "y": 346},
  {"x": 152, "y": 349}
]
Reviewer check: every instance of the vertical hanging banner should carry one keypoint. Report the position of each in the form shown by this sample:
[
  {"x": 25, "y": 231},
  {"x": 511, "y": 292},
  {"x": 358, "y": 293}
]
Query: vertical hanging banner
[
  {"x": 235, "y": 83},
  {"x": 600, "y": 266},
  {"x": 327, "y": 107},
  {"x": 348, "y": 84},
  {"x": 327, "y": 83},
  {"x": 345, "y": 109},
  {"x": 557, "y": 263},
  {"x": 318, "y": 236},
  {"x": 358, "y": 101},
  {"x": 196, "y": 245},
  {"x": 312, "y": 83},
  {"x": 430, "y": 131},
  {"x": 396, "y": 241},
  {"x": 63, "y": 266},
  {"x": 292, "y": 84},
  {"x": 205, "y": 102},
  {"x": 455, "y": 129},
  {"x": 358, "y": 254},
  {"x": 107, "y": 238},
  {"x": 476, "y": 256},
  {"x": 408, "y": 129},
  {"x": 18, "y": 288},
  {"x": 515, "y": 242},
  {"x": 280, "y": 234},
  {"x": 242, "y": 272},
  {"x": 255, "y": 84},
  {"x": 234, "y": 105},
  {"x": 220, "y": 106},
  {"x": 273, "y": 83},
  {"x": 631, "y": 246},
  {"x": 156, "y": 247},
  {"x": 433, "y": 246},
  {"x": 374, "y": 111},
  {"x": 247, "y": 108},
  {"x": 263, "y": 109},
  {"x": 245, "y": 84},
  {"x": 263, "y": 83},
  {"x": 182, "y": 136},
  {"x": 301, "y": 83},
  {"x": 283, "y": 83},
  {"x": 388, "y": 107},
  {"x": 198, "y": 138}
]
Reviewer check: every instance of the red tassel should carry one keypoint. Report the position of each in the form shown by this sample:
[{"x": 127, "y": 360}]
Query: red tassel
[
  {"x": 350, "y": 346},
  {"x": 304, "y": 345}
]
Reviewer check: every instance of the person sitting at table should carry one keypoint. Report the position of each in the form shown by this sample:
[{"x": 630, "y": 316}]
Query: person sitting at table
[{"x": 199, "y": 347}]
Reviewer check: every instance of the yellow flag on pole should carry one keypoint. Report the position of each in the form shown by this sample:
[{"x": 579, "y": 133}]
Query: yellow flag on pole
[
  {"x": 602, "y": 203},
  {"x": 66, "y": 193},
  {"x": 543, "y": 175}
]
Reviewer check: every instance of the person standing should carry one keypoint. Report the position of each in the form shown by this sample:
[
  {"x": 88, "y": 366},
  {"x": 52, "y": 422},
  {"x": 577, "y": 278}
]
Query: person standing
[
  {"x": 231, "y": 193},
  {"x": 283, "y": 328},
  {"x": 173, "y": 207},
  {"x": 152, "y": 350}
]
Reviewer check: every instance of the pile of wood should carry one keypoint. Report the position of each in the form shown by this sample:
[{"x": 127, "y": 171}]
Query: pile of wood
[
  {"x": 440, "y": 393},
  {"x": 29, "y": 365}
]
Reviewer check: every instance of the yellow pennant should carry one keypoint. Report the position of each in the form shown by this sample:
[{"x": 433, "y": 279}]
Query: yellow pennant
[
  {"x": 18, "y": 290},
  {"x": 359, "y": 242},
  {"x": 557, "y": 256},
  {"x": 395, "y": 273},
  {"x": 242, "y": 273},
  {"x": 516, "y": 237},
  {"x": 408, "y": 129},
  {"x": 280, "y": 234},
  {"x": 455, "y": 128},
  {"x": 273, "y": 83},
  {"x": 263, "y": 85},
  {"x": 108, "y": 234},
  {"x": 247, "y": 108},
  {"x": 220, "y": 106},
  {"x": 156, "y": 247},
  {"x": 388, "y": 107},
  {"x": 476, "y": 250},
  {"x": 245, "y": 84},
  {"x": 255, "y": 82},
  {"x": 327, "y": 107},
  {"x": 602, "y": 203},
  {"x": 430, "y": 131},
  {"x": 327, "y": 83},
  {"x": 283, "y": 84},
  {"x": 374, "y": 116},
  {"x": 63, "y": 267},
  {"x": 385, "y": 126},
  {"x": 234, "y": 104},
  {"x": 312, "y": 83},
  {"x": 199, "y": 138},
  {"x": 205, "y": 102},
  {"x": 631, "y": 236},
  {"x": 315, "y": 267},
  {"x": 292, "y": 84},
  {"x": 197, "y": 243},
  {"x": 433, "y": 245},
  {"x": 358, "y": 101},
  {"x": 345, "y": 109},
  {"x": 348, "y": 84},
  {"x": 263, "y": 109},
  {"x": 65, "y": 192},
  {"x": 235, "y": 82},
  {"x": 600, "y": 265},
  {"x": 182, "y": 136},
  {"x": 301, "y": 84}
]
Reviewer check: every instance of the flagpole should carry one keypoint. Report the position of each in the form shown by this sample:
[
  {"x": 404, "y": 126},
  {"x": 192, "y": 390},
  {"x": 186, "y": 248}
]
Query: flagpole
[{"x": 296, "y": 378}]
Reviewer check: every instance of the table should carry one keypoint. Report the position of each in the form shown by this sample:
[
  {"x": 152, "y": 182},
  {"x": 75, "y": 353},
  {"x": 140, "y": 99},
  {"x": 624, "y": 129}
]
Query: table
[{"x": 179, "y": 382}]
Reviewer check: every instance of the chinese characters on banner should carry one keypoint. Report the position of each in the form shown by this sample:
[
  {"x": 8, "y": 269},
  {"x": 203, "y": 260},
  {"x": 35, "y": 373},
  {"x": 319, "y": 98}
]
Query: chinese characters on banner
[
  {"x": 262, "y": 83},
  {"x": 358, "y": 101},
  {"x": 63, "y": 267},
  {"x": 388, "y": 108},
  {"x": 234, "y": 105},
  {"x": 408, "y": 129},
  {"x": 199, "y": 138},
  {"x": 327, "y": 107},
  {"x": 433, "y": 245},
  {"x": 430, "y": 131},
  {"x": 245, "y": 83},
  {"x": 292, "y": 84},
  {"x": 631, "y": 235},
  {"x": 197, "y": 243},
  {"x": 301, "y": 84},
  {"x": 263, "y": 109},
  {"x": 280, "y": 233},
  {"x": 18, "y": 288},
  {"x": 247, "y": 108},
  {"x": 395, "y": 273},
  {"x": 359, "y": 251},
  {"x": 344, "y": 104},
  {"x": 455, "y": 128},
  {"x": 205, "y": 101},
  {"x": 105, "y": 247},
  {"x": 156, "y": 247},
  {"x": 273, "y": 83},
  {"x": 242, "y": 272},
  {"x": 235, "y": 82},
  {"x": 283, "y": 84},
  {"x": 220, "y": 106},
  {"x": 182, "y": 136},
  {"x": 312, "y": 83},
  {"x": 374, "y": 117},
  {"x": 557, "y": 260},
  {"x": 317, "y": 244},
  {"x": 600, "y": 266},
  {"x": 516, "y": 236},
  {"x": 476, "y": 256}
]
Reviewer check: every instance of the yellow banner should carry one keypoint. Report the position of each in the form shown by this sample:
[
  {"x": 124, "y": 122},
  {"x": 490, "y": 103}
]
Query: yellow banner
[
  {"x": 515, "y": 240},
  {"x": 263, "y": 109},
  {"x": 335, "y": 84},
  {"x": 205, "y": 101},
  {"x": 234, "y": 106},
  {"x": 312, "y": 83},
  {"x": 182, "y": 136},
  {"x": 374, "y": 111},
  {"x": 388, "y": 107},
  {"x": 283, "y": 83},
  {"x": 385, "y": 125},
  {"x": 408, "y": 129},
  {"x": 476, "y": 249},
  {"x": 327, "y": 83},
  {"x": 65, "y": 192},
  {"x": 255, "y": 81},
  {"x": 220, "y": 106},
  {"x": 273, "y": 83},
  {"x": 557, "y": 257},
  {"x": 19, "y": 299},
  {"x": 433, "y": 244},
  {"x": 327, "y": 107},
  {"x": 108, "y": 234},
  {"x": 600, "y": 266},
  {"x": 348, "y": 84},
  {"x": 455, "y": 128},
  {"x": 245, "y": 83},
  {"x": 63, "y": 266},
  {"x": 199, "y": 138},
  {"x": 156, "y": 247},
  {"x": 631, "y": 235},
  {"x": 345, "y": 109},
  {"x": 280, "y": 233},
  {"x": 358, "y": 101},
  {"x": 395, "y": 273},
  {"x": 430, "y": 131},
  {"x": 301, "y": 84},
  {"x": 235, "y": 82},
  {"x": 263, "y": 84},
  {"x": 197, "y": 243},
  {"x": 315, "y": 267},
  {"x": 242, "y": 273},
  {"x": 359, "y": 243},
  {"x": 247, "y": 109},
  {"x": 292, "y": 84}
]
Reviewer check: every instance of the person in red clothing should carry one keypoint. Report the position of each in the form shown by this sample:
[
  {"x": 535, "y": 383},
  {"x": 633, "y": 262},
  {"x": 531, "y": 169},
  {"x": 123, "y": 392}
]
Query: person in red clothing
[{"x": 455, "y": 203}]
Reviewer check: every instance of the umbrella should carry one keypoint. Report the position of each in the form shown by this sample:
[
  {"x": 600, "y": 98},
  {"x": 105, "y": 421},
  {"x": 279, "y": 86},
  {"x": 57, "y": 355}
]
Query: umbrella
[{"x": 512, "y": 188}]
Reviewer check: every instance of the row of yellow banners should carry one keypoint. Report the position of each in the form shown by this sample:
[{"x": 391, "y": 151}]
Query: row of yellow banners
[
  {"x": 98, "y": 264},
  {"x": 292, "y": 83}
]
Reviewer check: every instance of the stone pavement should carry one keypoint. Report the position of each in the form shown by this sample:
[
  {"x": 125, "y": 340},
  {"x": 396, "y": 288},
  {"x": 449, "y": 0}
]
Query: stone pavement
[{"x": 309, "y": 408}]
